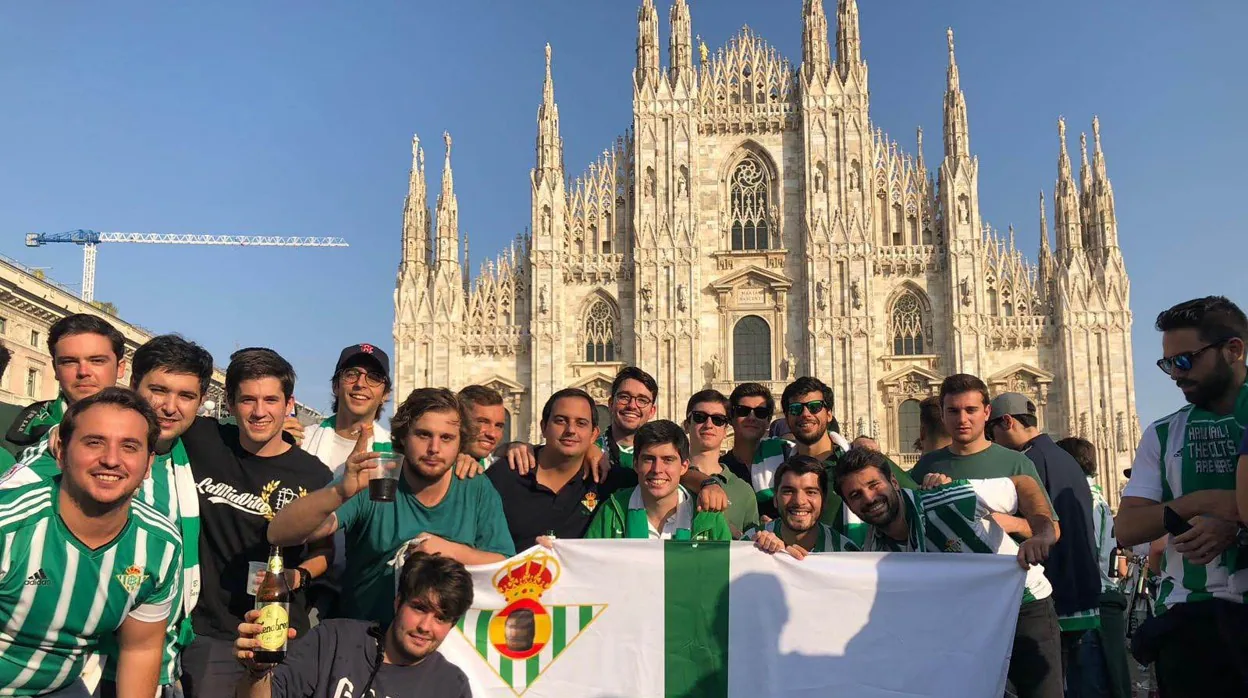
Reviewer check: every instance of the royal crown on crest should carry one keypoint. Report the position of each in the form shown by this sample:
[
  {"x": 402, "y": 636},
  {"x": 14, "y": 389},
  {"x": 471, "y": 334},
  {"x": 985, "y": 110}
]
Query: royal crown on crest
[{"x": 528, "y": 578}]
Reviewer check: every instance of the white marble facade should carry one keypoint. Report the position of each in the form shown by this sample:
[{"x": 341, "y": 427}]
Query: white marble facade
[{"x": 753, "y": 224}]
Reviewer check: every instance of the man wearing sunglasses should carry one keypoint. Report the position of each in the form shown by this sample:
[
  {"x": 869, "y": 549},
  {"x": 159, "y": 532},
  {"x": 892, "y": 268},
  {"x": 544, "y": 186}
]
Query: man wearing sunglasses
[
  {"x": 706, "y": 423},
  {"x": 752, "y": 450},
  {"x": 807, "y": 404},
  {"x": 1186, "y": 464}
]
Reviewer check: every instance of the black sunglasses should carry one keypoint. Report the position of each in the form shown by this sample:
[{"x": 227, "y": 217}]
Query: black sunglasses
[
  {"x": 718, "y": 420},
  {"x": 1187, "y": 359},
  {"x": 795, "y": 408},
  {"x": 760, "y": 412}
]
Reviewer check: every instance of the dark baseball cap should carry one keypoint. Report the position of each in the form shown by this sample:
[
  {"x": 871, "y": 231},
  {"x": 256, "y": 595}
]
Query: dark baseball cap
[
  {"x": 372, "y": 351},
  {"x": 1012, "y": 404}
]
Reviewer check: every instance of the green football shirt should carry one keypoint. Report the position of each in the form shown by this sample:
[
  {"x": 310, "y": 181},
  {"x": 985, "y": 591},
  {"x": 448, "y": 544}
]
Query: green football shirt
[
  {"x": 1191, "y": 450},
  {"x": 58, "y": 599}
]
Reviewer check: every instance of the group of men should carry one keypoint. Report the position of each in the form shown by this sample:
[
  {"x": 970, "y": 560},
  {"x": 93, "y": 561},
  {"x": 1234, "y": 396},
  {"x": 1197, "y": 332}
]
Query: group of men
[{"x": 133, "y": 531}]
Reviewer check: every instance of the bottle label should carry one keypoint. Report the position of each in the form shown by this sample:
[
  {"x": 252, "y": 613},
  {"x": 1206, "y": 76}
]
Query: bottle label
[
  {"x": 274, "y": 620},
  {"x": 275, "y": 564}
]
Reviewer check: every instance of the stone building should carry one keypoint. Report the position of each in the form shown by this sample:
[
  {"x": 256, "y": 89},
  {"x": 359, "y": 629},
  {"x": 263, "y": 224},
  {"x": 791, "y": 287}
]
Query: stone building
[{"x": 752, "y": 224}]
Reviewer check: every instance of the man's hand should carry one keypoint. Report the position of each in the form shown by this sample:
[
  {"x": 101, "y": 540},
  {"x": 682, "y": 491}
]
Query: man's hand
[
  {"x": 467, "y": 467},
  {"x": 547, "y": 542},
  {"x": 246, "y": 644},
  {"x": 933, "y": 480},
  {"x": 768, "y": 542},
  {"x": 599, "y": 463},
  {"x": 294, "y": 428},
  {"x": 521, "y": 457},
  {"x": 713, "y": 498},
  {"x": 1209, "y": 538},
  {"x": 434, "y": 545},
  {"x": 1035, "y": 550},
  {"x": 360, "y": 465},
  {"x": 771, "y": 544}
]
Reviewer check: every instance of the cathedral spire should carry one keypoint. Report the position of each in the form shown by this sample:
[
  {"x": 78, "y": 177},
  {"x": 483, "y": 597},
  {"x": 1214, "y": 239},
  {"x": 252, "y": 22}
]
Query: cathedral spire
[
  {"x": 848, "y": 39},
  {"x": 957, "y": 132},
  {"x": 1105, "y": 218},
  {"x": 416, "y": 243},
  {"x": 922, "y": 165},
  {"x": 467, "y": 266},
  {"x": 647, "y": 72},
  {"x": 549, "y": 144},
  {"x": 680, "y": 48},
  {"x": 1066, "y": 204},
  {"x": 816, "y": 61},
  {"x": 448, "y": 213}
]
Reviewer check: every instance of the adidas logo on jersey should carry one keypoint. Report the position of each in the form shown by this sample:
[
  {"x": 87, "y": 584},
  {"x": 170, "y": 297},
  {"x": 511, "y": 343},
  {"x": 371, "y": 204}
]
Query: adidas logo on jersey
[{"x": 38, "y": 579}]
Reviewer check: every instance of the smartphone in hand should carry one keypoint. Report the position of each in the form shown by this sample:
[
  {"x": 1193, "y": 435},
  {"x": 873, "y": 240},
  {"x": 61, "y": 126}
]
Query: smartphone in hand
[{"x": 1175, "y": 523}]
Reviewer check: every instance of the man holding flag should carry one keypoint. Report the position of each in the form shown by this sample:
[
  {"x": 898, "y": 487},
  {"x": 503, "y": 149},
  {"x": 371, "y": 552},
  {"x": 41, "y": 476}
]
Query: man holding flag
[{"x": 658, "y": 507}]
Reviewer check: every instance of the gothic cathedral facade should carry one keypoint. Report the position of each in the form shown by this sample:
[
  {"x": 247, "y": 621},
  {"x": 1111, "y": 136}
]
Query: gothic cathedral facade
[{"x": 753, "y": 225}]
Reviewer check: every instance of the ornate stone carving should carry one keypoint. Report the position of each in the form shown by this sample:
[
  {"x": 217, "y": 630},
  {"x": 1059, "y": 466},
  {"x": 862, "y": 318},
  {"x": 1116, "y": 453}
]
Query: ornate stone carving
[
  {"x": 821, "y": 295},
  {"x": 682, "y": 303},
  {"x": 965, "y": 287},
  {"x": 855, "y": 294},
  {"x": 646, "y": 293},
  {"x": 543, "y": 305},
  {"x": 717, "y": 367}
]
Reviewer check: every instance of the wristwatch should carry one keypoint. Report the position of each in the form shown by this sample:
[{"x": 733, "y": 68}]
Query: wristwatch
[
  {"x": 718, "y": 480},
  {"x": 304, "y": 577}
]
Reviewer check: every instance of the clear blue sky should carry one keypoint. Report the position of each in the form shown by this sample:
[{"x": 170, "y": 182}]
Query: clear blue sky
[{"x": 295, "y": 118}]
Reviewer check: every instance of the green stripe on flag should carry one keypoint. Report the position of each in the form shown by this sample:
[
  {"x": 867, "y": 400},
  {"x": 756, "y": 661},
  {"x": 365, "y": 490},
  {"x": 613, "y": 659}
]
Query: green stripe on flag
[
  {"x": 532, "y": 667},
  {"x": 695, "y": 619},
  {"x": 504, "y": 670},
  {"x": 587, "y": 616},
  {"x": 559, "y": 635},
  {"x": 483, "y": 633}
]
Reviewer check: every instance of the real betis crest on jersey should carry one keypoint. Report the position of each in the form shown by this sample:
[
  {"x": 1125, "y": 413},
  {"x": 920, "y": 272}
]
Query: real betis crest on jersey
[{"x": 522, "y": 639}]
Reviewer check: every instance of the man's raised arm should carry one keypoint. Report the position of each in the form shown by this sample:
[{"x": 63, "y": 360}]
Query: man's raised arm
[{"x": 312, "y": 517}]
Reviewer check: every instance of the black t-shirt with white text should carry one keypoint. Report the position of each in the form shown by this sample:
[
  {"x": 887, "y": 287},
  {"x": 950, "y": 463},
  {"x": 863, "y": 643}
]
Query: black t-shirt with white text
[
  {"x": 238, "y": 495},
  {"x": 336, "y": 659}
]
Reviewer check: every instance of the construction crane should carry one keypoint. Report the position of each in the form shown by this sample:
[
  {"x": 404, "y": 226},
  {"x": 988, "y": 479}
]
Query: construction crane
[{"x": 89, "y": 239}]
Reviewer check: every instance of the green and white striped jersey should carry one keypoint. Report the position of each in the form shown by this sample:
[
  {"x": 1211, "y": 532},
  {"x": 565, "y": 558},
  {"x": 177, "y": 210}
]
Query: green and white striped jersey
[
  {"x": 768, "y": 456},
  {"x": 1188, "y": 451},
  {"x": 170, "y": 490},
  {"x": 952, "y": 519},
  {"x": 58, "y": 599},
  {"x": 1103, "y": 531},
  {"x": 829, "y": 540}
]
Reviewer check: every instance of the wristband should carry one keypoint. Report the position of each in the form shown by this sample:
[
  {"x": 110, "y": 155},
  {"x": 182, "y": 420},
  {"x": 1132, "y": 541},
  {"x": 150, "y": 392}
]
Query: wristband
[{"x": 304, "y": 576}]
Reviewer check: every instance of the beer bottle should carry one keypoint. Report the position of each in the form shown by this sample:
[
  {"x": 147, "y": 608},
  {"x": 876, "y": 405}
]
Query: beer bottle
[{"x": 273, "y": 602}]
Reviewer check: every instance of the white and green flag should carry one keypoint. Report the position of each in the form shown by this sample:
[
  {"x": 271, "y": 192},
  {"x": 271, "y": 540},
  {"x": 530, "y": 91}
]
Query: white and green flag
[{"x": 642, "y": 619}]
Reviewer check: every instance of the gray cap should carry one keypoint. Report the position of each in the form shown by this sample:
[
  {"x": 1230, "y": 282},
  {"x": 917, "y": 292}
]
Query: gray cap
[{"x": 1011, "y": 404}]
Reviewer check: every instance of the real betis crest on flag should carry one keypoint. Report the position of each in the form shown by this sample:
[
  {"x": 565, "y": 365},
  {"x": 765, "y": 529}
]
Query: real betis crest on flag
[
  {"x": 520, "y": 640},
  {"x": 687, "y": 619}
]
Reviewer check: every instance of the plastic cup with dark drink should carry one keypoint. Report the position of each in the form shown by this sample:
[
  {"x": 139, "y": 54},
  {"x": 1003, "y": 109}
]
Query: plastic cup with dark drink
[{"x": 384, "y": 479}]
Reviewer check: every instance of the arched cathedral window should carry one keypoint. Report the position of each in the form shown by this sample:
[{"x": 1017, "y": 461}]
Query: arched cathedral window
[
  {"x": 751, "y": 350},
  {"x": 599, "y": 333},
  {"x": 748, "y": 192},
  {"x": 907, "y": 324}
]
